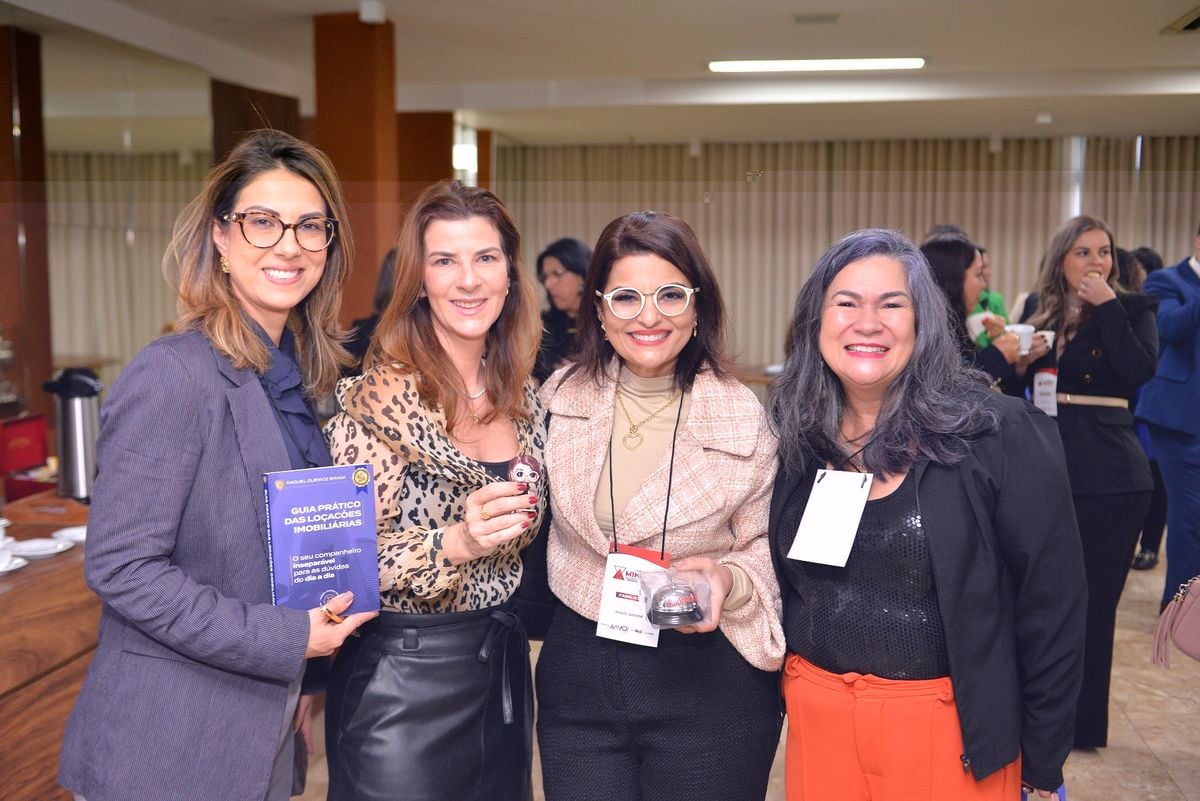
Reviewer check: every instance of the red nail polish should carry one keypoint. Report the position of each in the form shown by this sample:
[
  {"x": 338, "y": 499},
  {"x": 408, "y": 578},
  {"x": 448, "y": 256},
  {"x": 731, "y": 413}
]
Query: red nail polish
[
  {"x": 532, "y": 499},
  {"x": 522, "y": 488},
  {"x": 525, "y": 525}
]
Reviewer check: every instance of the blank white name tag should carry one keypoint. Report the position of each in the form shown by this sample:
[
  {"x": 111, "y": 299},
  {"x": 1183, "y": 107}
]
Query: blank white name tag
[{"x": 830, "y": 522}]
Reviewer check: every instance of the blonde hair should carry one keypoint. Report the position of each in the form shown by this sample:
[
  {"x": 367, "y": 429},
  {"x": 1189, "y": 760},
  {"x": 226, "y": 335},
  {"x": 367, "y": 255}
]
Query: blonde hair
[
  {"x": 206, "y": 300},
  {"x": 1052, "y": 281},
  {"x": 406, "y": 334}
]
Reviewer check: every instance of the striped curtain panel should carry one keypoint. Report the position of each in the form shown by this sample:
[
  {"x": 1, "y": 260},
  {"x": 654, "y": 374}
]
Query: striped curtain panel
[
  {"x": 1169, "y": 195},
  {"x": 765, "y": 212},
  {"x": 109, "y": 222}
]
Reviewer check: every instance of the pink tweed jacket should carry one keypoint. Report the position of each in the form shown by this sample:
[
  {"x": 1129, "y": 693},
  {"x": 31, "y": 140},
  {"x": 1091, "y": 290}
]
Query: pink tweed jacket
[{"x": 720, "y": 497}]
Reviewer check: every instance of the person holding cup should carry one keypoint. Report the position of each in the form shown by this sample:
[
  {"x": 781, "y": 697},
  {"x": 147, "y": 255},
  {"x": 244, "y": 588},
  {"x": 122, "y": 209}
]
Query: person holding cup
[
  {"x": 957, "y": 268},
  {"x": 1106, "y": 346}
]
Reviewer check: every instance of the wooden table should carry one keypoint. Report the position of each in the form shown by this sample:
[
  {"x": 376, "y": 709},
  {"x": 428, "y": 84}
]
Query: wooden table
[{"x": 47, "y": 639}]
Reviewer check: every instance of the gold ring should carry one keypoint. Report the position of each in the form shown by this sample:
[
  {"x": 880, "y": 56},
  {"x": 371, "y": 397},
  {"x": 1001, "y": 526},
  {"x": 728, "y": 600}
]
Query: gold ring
[{"x": 483, "y": 513}]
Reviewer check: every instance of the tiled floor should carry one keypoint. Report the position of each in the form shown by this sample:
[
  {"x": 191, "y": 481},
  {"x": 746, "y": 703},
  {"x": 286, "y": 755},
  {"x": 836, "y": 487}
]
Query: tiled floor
[{"x": 1154, "y": 728}]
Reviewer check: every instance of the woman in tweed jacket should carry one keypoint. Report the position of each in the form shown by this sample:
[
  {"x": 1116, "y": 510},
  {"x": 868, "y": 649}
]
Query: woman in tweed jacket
[{"x": 652, "y": 444}]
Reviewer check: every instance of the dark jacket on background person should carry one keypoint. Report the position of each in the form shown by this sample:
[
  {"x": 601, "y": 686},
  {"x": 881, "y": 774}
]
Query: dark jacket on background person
[
  {"x": 1113, "y": 353},
  {"x": 1009, "y": 574},
  {"x": 1169, "y": 398},
  {"x": 558, "y": 340}
]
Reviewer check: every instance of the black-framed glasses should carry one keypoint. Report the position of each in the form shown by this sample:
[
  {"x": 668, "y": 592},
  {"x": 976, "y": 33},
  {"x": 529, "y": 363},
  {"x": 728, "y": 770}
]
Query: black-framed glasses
[
  {"x": 262, "y": 229},
  {"x": 671, "y": 300}
]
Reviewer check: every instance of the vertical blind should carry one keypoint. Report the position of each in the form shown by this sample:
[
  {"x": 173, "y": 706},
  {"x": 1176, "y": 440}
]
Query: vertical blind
[
  {"x": 765, "y": 212},
  {"x": 109, "y": 222}
]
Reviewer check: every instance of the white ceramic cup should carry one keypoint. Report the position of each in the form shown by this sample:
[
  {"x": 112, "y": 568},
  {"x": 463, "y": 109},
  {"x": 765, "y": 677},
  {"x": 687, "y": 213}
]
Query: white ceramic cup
[
  {"x": 6, "y": 555},
  {"x": 1049, "y": 336},
  {"x": 1024, "y": 334},
  {"x": 975, "y": 323}
]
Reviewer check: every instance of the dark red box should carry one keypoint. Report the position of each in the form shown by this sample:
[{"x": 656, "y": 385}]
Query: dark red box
[{"x": 22, "y": 442}]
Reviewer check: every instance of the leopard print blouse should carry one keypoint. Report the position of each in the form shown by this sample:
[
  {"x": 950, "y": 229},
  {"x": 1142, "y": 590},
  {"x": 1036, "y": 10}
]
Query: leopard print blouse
[{"x": 421, "y": 483}]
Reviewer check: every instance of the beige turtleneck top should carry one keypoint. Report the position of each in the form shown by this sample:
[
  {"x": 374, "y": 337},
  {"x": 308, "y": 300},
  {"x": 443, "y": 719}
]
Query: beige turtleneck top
[{"x": 631, "y": 465}]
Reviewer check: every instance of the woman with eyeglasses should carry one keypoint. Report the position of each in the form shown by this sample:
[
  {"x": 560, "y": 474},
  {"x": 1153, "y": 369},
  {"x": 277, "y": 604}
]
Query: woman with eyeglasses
[
  {"x": 654, "y": 446},
  {"x": 192, "y": 691}
]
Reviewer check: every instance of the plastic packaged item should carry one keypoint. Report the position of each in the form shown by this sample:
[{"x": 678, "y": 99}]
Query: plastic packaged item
[{"x": 676, "y": 598}]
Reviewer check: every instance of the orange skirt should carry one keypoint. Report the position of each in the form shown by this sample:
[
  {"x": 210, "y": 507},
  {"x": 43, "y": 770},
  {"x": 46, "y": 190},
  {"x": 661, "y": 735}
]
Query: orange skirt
[{"x": 856, "y": 737}]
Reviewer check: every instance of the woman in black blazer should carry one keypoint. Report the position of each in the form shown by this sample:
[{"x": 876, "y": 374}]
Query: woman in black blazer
[{"x": 1106, "y": 346}]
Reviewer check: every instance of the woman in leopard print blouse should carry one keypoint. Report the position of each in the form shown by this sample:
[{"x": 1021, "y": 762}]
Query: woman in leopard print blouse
[{"x": 433, "y": 702}]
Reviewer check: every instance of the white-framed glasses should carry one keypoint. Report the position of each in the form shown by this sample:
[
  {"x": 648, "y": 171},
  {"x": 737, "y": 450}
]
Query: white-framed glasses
[
  {"x": 264, "y": 230},
  {"x": 671, "y": 300}
]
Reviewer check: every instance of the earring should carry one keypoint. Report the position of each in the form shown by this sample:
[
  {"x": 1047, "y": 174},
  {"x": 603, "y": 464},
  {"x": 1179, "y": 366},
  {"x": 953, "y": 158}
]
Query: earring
[
  {"x": 695, "y": 327},
  {"x": 507, "y": 287},
  {"x": 225, "y": 265},
  {"x": 605, "y": 330}
]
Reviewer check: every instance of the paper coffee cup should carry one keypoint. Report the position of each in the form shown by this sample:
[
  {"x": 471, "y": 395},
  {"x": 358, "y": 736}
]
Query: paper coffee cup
[
  {"x": 1049, "y": 335},
  {"x": 1024, "y": 334},
  {"x": 975, "y": 325}
]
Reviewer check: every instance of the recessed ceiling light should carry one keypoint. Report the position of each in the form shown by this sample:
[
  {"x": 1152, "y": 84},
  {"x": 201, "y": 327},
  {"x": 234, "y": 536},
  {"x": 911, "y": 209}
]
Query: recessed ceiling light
[{"x": 818, "y": 65}]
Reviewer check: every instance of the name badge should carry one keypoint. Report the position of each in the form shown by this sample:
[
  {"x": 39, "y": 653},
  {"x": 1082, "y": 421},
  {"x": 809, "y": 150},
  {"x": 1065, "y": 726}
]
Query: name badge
[
  {"x": 830, "y": 522},
  {"x": 622, "y": 610},
  {"x": 1045, "y": 390}
]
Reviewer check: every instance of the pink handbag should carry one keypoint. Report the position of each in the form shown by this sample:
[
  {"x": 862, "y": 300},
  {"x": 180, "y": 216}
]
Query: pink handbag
[{"x": 1179, "y": 623}]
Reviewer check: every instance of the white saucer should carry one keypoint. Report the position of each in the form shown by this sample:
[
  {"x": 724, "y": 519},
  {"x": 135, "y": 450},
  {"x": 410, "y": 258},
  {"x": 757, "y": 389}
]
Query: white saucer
[
  {"x": 75, "y": 534},
  {"x": 16, "y": 564},
  {"x": 41, "y": 548}
]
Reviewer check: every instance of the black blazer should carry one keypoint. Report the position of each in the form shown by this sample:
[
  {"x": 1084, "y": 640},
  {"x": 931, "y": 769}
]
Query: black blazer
[
  {"x": 1113, "y": 353},
  {"x": 1008, "y": 568}
]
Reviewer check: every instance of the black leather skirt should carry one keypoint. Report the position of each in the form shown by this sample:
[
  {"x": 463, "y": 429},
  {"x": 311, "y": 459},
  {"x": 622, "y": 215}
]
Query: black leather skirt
[{"x": 435, "y": 707}]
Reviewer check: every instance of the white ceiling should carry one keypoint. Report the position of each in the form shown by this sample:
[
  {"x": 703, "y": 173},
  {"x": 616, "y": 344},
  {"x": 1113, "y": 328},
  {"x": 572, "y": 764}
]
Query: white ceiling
[{"x": 557, "y": 71}]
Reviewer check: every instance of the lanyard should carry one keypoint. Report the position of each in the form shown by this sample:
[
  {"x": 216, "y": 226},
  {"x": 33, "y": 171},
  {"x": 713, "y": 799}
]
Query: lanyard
[{"x": 662, "y": 550}]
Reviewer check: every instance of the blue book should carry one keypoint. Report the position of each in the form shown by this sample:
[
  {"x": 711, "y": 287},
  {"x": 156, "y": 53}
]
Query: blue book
[{"x": 321, "y": 536}]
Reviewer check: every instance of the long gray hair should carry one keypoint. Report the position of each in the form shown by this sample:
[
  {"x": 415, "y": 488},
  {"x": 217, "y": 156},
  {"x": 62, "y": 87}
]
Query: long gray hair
[{"x": 932, "y": 409}]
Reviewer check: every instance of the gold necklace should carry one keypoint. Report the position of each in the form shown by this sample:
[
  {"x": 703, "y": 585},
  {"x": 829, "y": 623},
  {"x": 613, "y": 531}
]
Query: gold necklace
[{"x": 636, "y": 436}]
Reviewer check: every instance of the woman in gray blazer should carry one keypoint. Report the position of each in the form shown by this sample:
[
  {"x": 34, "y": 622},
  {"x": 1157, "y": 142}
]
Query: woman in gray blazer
[{"x": 193, "y": 688}]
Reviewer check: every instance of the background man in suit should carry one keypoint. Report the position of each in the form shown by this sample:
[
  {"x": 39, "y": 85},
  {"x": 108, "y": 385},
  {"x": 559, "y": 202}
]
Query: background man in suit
[{"x": 1167, "y": 406}]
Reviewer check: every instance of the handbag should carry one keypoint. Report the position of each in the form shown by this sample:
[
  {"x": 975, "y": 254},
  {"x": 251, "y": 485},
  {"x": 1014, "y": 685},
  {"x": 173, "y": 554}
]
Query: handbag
[{"x": 1179, "y": 623}]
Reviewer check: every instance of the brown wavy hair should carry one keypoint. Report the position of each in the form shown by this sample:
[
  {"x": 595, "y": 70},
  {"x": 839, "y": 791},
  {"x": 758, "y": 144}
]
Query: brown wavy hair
[
  {"x": 406, "y": 334},
  {"x": 206, "y": 300},
  {"x": 1052, "y": 283}
]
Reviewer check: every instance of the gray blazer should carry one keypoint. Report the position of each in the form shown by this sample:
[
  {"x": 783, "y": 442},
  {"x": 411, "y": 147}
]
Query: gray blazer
[{"x": 185, "y": 697}]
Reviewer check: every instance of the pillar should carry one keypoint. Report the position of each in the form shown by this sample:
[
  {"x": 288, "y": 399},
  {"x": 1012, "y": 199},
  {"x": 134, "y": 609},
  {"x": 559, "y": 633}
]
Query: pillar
[
  {"x": 356, "y": 127},
  {"x": 24, "y": 259}
]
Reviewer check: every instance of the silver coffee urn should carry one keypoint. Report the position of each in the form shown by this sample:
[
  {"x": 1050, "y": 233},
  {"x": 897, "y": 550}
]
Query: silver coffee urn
[{"x": 77, "y": 404}]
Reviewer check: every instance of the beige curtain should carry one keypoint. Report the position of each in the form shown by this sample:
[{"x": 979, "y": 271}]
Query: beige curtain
[
  {"x": 110, "y": 218},
  {"x": 1169, "y": 195},
  {"x": 1155, "y": 203},
  {"x": 765, "y": 212},
  {"x": 1009, "y": 197},
  {"x": 1110, "y": 187}
]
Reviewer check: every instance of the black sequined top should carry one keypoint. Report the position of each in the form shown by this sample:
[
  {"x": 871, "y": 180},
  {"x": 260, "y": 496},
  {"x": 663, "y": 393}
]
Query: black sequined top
[{"x": 879, "y": 614}]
